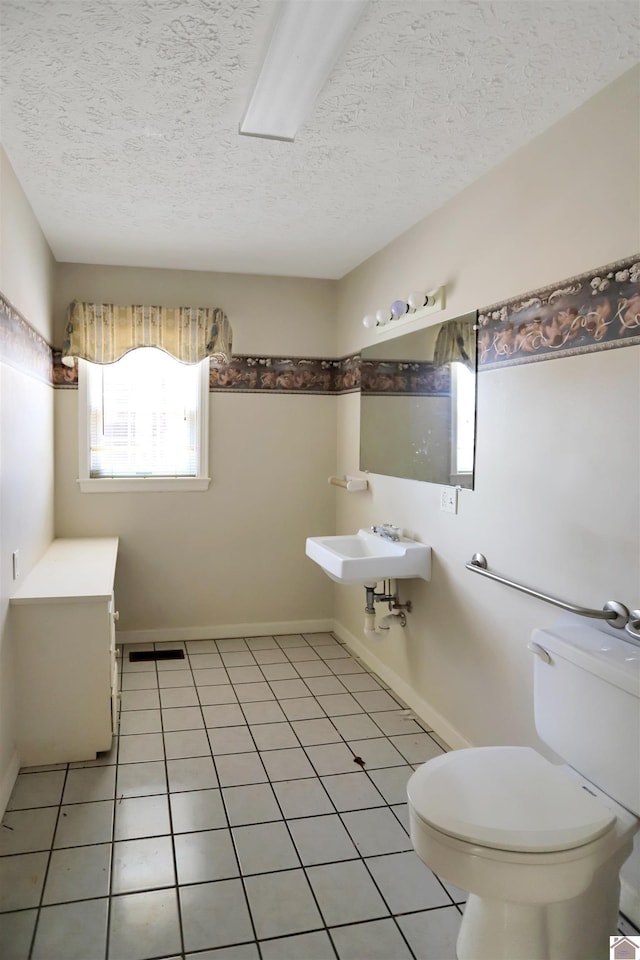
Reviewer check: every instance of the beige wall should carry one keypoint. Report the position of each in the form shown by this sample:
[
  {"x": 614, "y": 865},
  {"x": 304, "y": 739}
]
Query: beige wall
[
  {"x": 556, "y": 499},
  {"x": 26, "y": 262},
  {"x": 26, "y": 433},
  {"x": 541, "y": 510},
  {"x": 269, "y": 315},
  {"x": 556, "y": 502},
  {"x": 231, "y": 558}
]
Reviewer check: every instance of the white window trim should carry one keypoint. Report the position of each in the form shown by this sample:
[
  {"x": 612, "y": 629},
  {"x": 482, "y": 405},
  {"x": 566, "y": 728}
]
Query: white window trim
[{"x": 89, "y": 484}]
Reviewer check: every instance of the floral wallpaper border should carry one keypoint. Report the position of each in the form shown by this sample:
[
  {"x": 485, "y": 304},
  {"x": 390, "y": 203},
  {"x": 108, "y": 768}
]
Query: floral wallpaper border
[
  {"x": 21, "y": 346},
  {"x": 598, "y": 310},
  {"x": 248, "y": 374},
  {"x": 254, "y": 374},
  {"x": 392, "y": 378}
]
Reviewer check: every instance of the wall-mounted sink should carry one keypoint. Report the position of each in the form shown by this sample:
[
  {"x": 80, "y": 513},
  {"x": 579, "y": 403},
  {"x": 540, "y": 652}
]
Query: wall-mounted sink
[{"x": 365, "y": 557}]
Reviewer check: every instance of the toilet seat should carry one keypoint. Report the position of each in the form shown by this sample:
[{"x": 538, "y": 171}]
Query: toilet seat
[{"x": 506, "y": 798}]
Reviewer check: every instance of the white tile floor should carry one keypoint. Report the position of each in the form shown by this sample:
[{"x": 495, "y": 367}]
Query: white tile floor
[{"x": 231, "y": 820}]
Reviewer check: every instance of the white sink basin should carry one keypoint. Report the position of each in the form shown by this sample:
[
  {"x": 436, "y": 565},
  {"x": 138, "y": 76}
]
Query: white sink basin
[{"x": 366, "y": 558}]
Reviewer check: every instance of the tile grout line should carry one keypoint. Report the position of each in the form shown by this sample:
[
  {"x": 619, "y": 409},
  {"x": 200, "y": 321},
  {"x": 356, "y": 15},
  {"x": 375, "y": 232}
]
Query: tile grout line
[
  {"x": 115, "y": 813},
  {"x": 392, "y": 915},
  {"x": 318, "y": 777},
  {"x": 170, "y": 814},
  {"x": 387, "y": 806},
  {"x": 46, "y": 872},
  {"x": 337, "y": 813},
  {"x": 294, "y": 666},
  {"x": 361, "y": 857},
  {"x": 402, "y": 825},
  {"x": 297, "y": 852},
  {"x": 226, "y": 814},
  {"x": 113, "y": 817}
]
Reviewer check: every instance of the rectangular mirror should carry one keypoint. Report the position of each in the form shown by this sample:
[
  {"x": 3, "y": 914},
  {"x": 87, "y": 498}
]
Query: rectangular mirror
[{"x": 418, "y": 404}]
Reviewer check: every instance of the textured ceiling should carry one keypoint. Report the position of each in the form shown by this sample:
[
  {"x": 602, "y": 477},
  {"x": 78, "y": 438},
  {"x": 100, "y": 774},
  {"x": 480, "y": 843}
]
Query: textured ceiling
[{"x": 120, "y": 119}]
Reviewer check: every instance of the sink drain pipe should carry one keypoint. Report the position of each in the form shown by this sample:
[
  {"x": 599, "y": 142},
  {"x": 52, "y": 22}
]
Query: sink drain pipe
[{"x": 396, "y": 613}]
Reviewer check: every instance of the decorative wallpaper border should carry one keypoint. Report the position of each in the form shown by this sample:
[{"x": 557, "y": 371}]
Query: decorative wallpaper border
[
  {"x": 63, "y": 377},
  {"x": 255, "y": 374},
  {"x": 399, "y": 378},
  {"x": 251, "y": 374},
  {"x": 598, "y": 310},
  {"x": 21, "y": 346}
]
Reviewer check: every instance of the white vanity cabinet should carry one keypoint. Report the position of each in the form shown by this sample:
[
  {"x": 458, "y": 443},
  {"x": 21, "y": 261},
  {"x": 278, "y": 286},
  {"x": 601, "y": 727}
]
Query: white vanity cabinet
[{"x": 64, "y": 644}]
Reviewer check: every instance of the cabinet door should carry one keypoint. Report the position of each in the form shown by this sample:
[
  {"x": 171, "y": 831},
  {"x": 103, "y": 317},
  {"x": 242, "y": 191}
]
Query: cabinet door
[{"x": 64, "y": 672}]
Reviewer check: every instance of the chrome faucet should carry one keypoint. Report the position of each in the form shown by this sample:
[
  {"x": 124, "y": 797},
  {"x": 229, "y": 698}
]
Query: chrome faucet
[{"x": 387, "y": 531}]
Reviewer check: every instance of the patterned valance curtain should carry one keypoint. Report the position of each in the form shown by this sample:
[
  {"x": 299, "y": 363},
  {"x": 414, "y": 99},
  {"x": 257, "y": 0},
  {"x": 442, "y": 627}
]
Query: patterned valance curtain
[
  {"x": 104, "y": 332},
  {"x": 456, "y": 341}
]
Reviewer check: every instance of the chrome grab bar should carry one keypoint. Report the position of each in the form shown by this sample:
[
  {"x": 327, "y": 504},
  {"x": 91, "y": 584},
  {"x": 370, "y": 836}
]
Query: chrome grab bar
[
  {"x": 615, "y": 613},
  {"x": 633, "y": 627}
]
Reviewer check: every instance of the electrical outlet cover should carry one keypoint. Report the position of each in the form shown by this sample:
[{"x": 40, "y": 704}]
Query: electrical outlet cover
[{"x": 449, "y": 499}]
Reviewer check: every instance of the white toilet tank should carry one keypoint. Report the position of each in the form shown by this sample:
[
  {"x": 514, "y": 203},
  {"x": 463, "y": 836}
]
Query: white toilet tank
[{"x": 587, "y": 705}]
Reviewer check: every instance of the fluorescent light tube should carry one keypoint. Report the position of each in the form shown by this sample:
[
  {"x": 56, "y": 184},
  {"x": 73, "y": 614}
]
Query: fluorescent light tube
[{"x": 308, "y": 39}]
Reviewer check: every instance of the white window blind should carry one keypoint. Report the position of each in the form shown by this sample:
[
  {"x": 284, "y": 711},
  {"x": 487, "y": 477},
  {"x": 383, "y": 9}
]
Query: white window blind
[{"x": 144, "y": 416}]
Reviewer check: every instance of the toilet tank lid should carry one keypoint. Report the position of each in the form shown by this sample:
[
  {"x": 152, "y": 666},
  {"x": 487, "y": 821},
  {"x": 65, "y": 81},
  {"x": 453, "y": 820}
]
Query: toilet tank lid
[
  {"x": 506, "y": 798},
  {"x": 609, "y": 657}
]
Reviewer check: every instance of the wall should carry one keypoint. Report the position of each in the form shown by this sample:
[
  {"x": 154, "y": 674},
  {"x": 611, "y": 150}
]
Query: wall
[
  {"x": 556, "y": 500},
  {"x": 26, "y": 431},
  {"x": 229, "y": 561}
]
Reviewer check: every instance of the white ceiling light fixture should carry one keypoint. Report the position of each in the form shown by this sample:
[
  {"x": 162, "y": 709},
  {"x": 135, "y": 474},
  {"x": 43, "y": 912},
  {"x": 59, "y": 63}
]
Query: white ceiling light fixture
[
  {"x": 417, "y": 306},
  {"x": 307, "y": 41}
]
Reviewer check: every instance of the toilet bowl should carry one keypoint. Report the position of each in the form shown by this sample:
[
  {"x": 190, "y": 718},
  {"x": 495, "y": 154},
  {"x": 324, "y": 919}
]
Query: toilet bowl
[
  {"x": 539, "y": 845},
  {"x": 538, "y": 852}
]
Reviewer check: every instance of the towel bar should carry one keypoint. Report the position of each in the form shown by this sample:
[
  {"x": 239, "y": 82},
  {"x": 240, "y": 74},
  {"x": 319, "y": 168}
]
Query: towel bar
[{"x": 350, "y": 484}]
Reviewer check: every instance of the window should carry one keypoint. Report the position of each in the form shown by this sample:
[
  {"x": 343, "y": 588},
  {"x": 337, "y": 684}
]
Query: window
[
  {"x": 143, "y": 423},
  {"x": 463, "y": 384}
]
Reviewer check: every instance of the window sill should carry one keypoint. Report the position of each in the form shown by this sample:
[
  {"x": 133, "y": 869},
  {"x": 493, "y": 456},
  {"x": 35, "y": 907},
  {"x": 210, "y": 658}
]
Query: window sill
[{"x": 144, "y": 484}]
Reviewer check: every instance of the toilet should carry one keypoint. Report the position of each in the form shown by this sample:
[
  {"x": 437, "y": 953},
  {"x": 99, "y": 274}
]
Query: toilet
[{"x": 539, "y": 845}]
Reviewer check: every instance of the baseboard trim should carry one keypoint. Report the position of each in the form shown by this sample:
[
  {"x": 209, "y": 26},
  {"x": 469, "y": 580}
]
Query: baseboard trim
[
  {"x": 630, "y": 902},
  {"x": 7, "y": 781},
  {"x": 419, "y": 706},
  {"x": 222, "y": 630}
]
